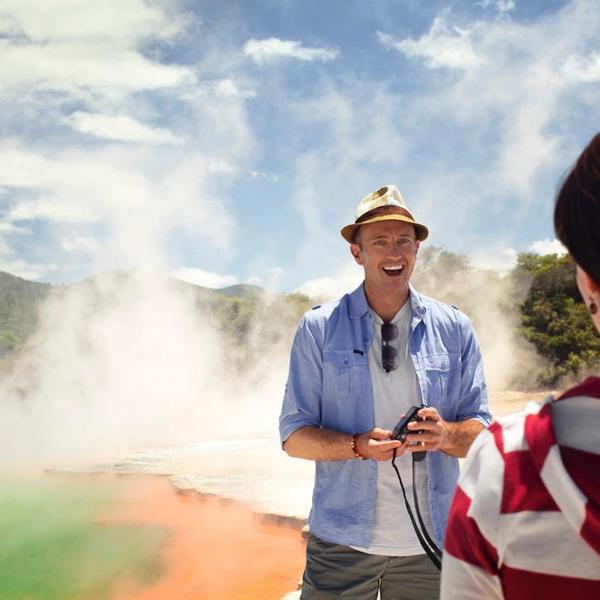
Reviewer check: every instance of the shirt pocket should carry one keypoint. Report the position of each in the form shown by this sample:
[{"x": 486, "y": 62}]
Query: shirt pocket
[
  {"x": 442, "y": 372},
  {"x": 344, "y": 371}
]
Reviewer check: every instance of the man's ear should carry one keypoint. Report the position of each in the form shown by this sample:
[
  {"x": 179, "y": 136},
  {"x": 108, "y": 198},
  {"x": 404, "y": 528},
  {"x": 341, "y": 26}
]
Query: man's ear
[
  {"x": 417, "y": 244},
  {"x": 355, "y": 251}
]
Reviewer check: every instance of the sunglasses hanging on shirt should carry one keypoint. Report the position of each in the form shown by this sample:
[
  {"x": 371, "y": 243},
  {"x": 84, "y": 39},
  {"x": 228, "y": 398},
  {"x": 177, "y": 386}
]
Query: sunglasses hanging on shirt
[{"x": 389, "y": 354}]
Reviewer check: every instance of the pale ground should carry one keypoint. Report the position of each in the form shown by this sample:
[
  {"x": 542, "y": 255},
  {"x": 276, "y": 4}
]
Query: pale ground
[{"x": 502, "y": 403}]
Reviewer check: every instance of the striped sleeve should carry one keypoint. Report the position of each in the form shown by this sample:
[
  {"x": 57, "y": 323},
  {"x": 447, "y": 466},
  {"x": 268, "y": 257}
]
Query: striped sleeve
[{"x": 470, "y": 564}]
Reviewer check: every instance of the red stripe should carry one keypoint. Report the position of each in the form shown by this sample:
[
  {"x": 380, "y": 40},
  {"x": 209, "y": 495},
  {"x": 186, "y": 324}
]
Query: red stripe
[
  {"x": 539, "y": 433},
  {"x": 584, "y": 469},
  {"x": 590, "y": 530},
  {"x": 463, "y": 538},
  {"x": 589, "y": 387},
  {"x": 523, "y": 487},
  {"x": 526, "y": 585},
  {"x": 496, "y": 430}
]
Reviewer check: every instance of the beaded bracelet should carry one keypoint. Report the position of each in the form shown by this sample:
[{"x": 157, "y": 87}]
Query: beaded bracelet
[{"x": 355, "y": 449}]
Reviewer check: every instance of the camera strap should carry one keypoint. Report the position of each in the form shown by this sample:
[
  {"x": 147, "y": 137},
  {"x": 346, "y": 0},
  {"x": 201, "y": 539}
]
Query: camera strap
[{"x": 430, "y": 547}]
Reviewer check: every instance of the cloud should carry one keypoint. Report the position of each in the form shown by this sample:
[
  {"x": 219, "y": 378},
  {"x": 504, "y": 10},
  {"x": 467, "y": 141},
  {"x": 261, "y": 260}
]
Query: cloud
[
  {"x": 121, "y": 128},
  {"x": 229, "y": 87},
  {"x": 100, "y": 70},
  {"x": 82, "y": 48},
  {"x": 203, "y": 278},
  {"x": 269, "y": 176},
  {"x": 502, "y": 6},
  {"x": 442, "y": 46},
  {"x": 7, "y": 227},
  {"x": 80, "y": 244},
  {"x": 547, "y": 246},
  {"x": 124, "y": 21},
  {"x": 139, "y": 199},
  {"x": 498, "y": 259},
  {"x": 268, "y": 279},
  {"x": 511, "y": 82},
  {"x": 23, "y": 268},
  {"x": 346, "y": 279},
  {"x": 68, "y": 66},
  {"x": 584, "y": 68},
  {"x": 272, "y": 49}
]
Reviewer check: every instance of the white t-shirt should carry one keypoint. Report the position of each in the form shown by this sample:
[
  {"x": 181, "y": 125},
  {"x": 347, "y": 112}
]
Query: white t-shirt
[{"x": 394, "y": 393}]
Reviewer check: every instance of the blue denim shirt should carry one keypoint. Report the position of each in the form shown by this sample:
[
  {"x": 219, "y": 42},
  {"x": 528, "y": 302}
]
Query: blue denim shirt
[{"x": 329, "y": 386}]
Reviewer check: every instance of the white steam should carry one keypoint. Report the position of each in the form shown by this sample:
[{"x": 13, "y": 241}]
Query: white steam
[{"x": 125, "y": 362}]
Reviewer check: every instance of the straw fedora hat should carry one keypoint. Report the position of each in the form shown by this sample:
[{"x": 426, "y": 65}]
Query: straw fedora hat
[{"x": 366, "y": 212}]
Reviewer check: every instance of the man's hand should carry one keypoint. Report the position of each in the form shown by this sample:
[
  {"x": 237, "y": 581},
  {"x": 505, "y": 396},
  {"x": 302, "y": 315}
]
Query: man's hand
[
  {"x": 378, "y": 445},
  {"x": 434, "y": 431},
  {"x": 453, "y": 439}
]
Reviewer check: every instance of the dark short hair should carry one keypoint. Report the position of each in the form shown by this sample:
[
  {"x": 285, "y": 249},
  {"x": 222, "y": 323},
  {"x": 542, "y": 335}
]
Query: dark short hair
[{"x": 577, "y": 210}]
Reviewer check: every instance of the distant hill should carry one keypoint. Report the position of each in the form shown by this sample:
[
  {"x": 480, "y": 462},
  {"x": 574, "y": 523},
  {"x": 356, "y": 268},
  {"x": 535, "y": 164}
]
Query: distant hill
[
  {"x": 240, "y": 290},
  {"x": 19, "y": 300}
]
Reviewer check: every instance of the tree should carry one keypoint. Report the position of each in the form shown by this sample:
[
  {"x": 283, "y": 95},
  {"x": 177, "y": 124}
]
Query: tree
[{"x": 554, "y": 317}]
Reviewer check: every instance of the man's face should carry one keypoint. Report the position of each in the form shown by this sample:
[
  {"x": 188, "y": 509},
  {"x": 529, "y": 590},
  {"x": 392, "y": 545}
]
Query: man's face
[{"x": 387, "y": 250}]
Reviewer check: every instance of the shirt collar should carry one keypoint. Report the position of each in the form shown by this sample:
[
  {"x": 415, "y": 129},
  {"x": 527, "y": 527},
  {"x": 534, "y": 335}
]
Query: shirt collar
[
  {"x": 359, "y": 305},
  {"x": 358, "y": 302},
  {"x": 417, "y": 304}
]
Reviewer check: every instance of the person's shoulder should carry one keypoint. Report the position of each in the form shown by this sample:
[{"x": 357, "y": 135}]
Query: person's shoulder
[
  {"x": 320, "y": 314},
  {"x": 441, "y": 310}
]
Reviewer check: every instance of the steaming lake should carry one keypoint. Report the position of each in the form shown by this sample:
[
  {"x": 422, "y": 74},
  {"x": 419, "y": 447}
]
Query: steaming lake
[{"x": 255, "y": 471}]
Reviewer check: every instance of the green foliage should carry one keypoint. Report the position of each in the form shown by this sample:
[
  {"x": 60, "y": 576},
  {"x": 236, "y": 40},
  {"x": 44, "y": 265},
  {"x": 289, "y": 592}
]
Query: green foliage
[
  {"x": 554, "y": 317},
  {"x": 9, "y": 341},
  {"x": 252, "y": 324},
  {"x": 19, "y": 301}
]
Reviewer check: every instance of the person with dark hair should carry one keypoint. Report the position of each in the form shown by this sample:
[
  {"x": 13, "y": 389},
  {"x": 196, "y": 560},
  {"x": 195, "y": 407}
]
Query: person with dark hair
[
  {"x": 525, "y": 518},
  {"x": 357, "y": 364}
]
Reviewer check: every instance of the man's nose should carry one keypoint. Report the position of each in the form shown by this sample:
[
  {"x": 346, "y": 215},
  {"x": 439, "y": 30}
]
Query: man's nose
[{"x": 396, "y": 249}]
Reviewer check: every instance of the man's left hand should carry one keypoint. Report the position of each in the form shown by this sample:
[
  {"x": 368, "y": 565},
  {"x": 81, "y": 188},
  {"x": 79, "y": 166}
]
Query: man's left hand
[{"x": 434, "y": 431}]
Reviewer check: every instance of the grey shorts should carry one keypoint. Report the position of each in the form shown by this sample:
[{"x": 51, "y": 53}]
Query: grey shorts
[{"x": 335, "y": 571}]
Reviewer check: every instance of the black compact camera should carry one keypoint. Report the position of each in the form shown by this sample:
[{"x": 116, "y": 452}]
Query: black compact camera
[{"x": 401, "y": 429}]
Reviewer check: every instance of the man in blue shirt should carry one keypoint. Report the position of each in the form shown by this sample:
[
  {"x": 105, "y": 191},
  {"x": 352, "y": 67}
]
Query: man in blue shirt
[{"x": 357, "y": 364}]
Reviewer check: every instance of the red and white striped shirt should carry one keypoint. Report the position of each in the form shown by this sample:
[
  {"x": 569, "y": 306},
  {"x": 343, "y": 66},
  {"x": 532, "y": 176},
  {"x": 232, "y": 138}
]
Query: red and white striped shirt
[{"x": 525, "y": 519}]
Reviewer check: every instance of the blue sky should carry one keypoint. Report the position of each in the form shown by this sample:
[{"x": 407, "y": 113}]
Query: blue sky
[{"x": 226, "y": 141}]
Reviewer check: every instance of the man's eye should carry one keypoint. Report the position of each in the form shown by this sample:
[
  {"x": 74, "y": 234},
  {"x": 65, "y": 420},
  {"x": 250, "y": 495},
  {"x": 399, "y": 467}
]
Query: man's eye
[{"x": 380, "y": 242}]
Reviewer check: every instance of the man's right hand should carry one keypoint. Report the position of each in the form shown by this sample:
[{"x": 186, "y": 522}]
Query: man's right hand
[{"x": 378, "y": 445}]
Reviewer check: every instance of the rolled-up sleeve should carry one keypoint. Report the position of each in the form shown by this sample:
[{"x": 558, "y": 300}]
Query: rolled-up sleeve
[
  {"x": 303, "y": 390},
  {"x": 473, "y": 392}
]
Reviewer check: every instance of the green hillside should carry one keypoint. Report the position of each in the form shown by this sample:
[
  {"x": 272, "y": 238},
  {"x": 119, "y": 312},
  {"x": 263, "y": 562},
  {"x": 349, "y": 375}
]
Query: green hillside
[
  {"x": 537, "y": 301},
  {"x": 19, "y": 301}
]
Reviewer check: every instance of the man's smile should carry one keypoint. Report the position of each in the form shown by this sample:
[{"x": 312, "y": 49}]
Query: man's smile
[{"x": 394, "y": 271}]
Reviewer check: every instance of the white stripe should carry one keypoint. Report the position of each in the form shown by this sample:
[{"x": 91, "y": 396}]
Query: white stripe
[
  {"x": 513, "y": 428},
  {"x": 482, "y": 449},
  {"x": 543, "y": 542},
  {"x": 464, "y": 581},
  {"x": 576, "y": 421},
  {"x": 482, "y": 479},
  {"x": 563, "y": 490}
]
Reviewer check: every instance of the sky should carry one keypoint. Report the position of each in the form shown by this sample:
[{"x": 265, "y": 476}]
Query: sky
[{"x": 226, "y": 141}]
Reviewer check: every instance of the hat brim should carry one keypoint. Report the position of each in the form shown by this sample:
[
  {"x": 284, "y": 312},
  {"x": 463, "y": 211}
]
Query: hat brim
[{"x": 348, "y": 232}]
